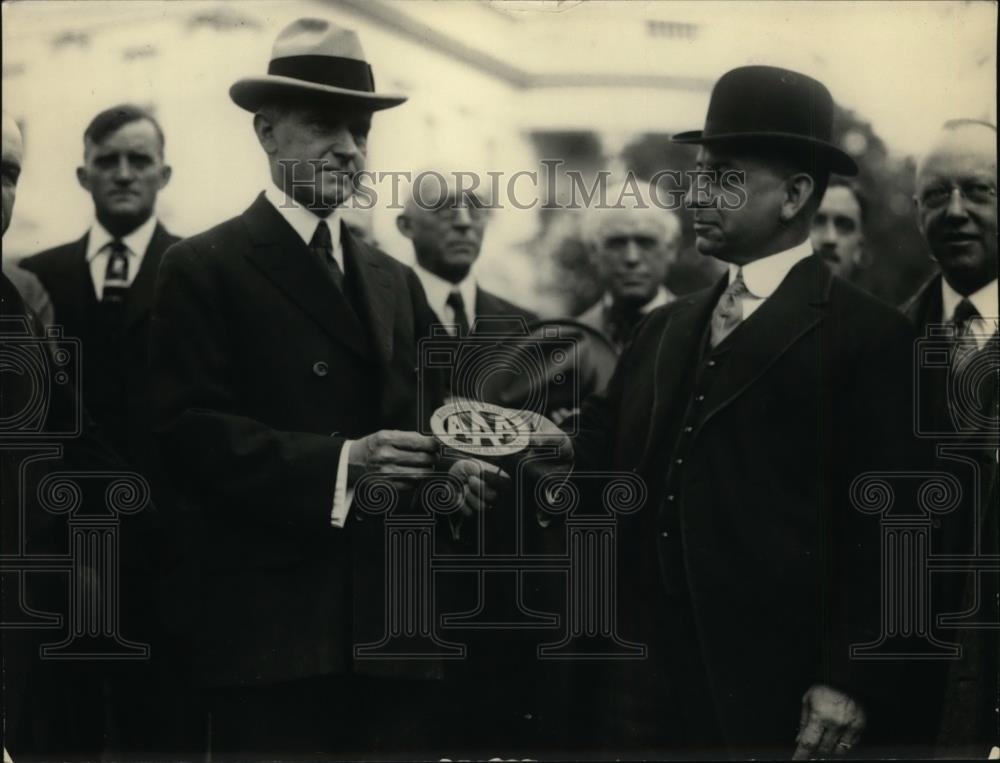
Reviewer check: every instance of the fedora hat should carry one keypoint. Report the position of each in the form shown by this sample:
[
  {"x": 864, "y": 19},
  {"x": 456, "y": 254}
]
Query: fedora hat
[
  {"x": 315, "y": 57},
  {"x": 765, "y": 103}
]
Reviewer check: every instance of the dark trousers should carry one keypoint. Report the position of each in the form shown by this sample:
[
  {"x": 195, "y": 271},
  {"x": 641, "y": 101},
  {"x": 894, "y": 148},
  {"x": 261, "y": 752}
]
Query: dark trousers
[
  {"x": 659, "y": 707},
  {"x": 325, "y": 718}
]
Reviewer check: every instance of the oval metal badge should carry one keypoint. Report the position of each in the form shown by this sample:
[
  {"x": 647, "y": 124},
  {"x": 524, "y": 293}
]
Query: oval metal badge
[{"x": 480, "y": 429}]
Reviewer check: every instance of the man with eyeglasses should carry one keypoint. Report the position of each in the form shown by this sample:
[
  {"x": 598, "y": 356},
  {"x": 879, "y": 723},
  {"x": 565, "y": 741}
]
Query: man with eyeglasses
[
  {"x": 447, "y": 229},
  {"x": 956, "y": 210}
]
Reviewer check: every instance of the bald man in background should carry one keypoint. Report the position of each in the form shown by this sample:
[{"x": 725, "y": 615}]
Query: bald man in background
[
  {"x": 956, "y": 207},
  {"x": 27, "y": 285}
]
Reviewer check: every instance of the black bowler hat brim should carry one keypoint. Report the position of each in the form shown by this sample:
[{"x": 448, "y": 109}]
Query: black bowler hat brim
[
  {"x": 839, "y": 160},
  {"x": 251, "y": 93}
]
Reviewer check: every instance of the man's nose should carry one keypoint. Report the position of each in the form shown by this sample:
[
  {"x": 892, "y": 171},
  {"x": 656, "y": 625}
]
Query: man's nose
[
  {"x": 956, "y": 205},
  {"x": 828, "y": 235},
  {"x": 462, "y": 218},
  {"x": 632, "y": 255},
  {"x": 345, "y": 147},
  {"x": 123, "y": 170}
]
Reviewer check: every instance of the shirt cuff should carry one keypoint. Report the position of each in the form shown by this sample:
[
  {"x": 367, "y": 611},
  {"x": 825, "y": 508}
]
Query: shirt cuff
[{"x": 342, "y": 494}]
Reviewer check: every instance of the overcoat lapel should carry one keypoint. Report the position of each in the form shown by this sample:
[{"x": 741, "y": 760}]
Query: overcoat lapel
[
  {"x": 796, "y": 306},
  {"x": 279, "y": 253},
  {"x": 84, "y": 284},
  {"x": 140, "y": 293},
  {"x": 377, "y": 295}
]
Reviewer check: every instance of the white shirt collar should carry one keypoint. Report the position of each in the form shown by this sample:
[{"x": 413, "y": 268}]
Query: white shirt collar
[
  {"x": 437, "y": 290},
  {"x": 304, "y": 222},
  {"x": 663, "y": 296},
  {"x": 984, "y": 300},
  {"x": 763, "y": 277},
  {"x": 137, "y": 242}
]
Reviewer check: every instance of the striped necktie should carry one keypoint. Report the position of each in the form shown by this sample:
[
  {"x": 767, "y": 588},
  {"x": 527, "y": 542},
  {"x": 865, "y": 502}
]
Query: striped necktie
[{"x": 728, "y": 313}]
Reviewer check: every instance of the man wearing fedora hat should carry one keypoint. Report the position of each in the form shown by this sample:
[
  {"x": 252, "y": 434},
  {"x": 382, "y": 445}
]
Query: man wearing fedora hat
[
  {"x": 748, "y": 409},
  {"x": 285, "y": 354}
]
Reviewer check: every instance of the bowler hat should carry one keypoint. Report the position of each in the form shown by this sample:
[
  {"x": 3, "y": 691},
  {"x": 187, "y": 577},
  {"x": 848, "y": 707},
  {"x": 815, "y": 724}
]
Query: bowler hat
[
  {"x": 315, "y": 57},
  {"x": 770, "y": 104}
]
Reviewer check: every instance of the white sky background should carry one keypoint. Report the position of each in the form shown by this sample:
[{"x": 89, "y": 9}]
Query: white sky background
[{"x": 905, "y": 66}]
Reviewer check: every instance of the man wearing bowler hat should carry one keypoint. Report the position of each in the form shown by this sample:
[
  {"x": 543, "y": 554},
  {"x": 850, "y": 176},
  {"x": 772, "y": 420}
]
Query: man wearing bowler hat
[
  {"x": 285, "y": 357},
  {"x": 748, "y": 409}
]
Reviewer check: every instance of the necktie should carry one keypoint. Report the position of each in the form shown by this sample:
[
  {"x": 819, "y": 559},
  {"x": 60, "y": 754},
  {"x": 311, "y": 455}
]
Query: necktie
[
  {"x": 116, "y": 273},
  {"x": 728, "y": 312},
  {"x": 457, "y": 304},
  {"x": 621, "y": 324},
  {"x": 965, "y": 342},
  {"x": 322, "y": 245}
]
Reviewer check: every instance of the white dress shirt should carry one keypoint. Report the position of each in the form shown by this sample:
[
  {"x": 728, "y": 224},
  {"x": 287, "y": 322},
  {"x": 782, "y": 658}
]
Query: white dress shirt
[
  {"x": 437, "y": 290},
  {"x": 304, "y": 223},
  {"x": 763, "y": 277},
  {"x": 985, "y": 302},
  {"x": 99, "y": 250}
]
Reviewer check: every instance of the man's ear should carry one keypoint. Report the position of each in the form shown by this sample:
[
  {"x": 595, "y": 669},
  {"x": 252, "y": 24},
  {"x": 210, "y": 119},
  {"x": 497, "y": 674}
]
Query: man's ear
[
  {"x": 798, "y": 191},
  {"x": 83, "y": 178},
  {"x": 166, "y": 172},
  {"x": 404, "y": 226},
  {"x": 265, "y": 133}
]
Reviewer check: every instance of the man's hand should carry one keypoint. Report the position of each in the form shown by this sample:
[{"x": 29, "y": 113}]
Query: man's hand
[
  {"x": 399, "y": 456},
  {"x": 544, "y": 435},
  {"x": 831, "y": 723},
  {"x": 481, "y": 482}
]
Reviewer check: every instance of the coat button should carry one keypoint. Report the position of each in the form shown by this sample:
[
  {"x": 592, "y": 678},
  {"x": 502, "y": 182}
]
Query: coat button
[
  {"x": 321, "y": 368},
  {"x": 711, "y": 364},
  {"x": 670, "y": 497},
  {"x": 688, "y": 430},
  {"x": 664, "y": 534},
  {"x": 700, "y": 398}
]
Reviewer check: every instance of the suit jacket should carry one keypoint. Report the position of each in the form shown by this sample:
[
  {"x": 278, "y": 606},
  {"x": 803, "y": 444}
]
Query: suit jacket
[
  {"x": 968, "y": 726},
  {"x": 42, "y": 434},
  {"x": 491, "y": 306},
  {"x": 781, "y": 572},
  {"x": 115, "y": 383},
  {"x": 261, "y": 370},
  {"x": 32, "y": 292}
]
